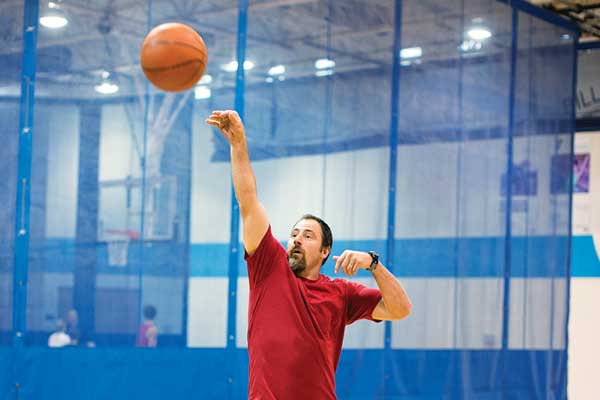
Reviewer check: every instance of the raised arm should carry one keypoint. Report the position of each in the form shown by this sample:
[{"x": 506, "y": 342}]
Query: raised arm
[{"x": 254, "y": 218}]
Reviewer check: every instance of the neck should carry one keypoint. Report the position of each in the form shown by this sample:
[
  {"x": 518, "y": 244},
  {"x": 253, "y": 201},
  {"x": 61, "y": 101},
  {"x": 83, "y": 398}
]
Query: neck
[{"x": 311, "y": 274}]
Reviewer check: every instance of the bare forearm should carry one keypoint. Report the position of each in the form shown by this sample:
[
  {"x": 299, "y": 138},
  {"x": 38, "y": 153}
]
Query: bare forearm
[
  {"x": 244, "y": 181},
  {"x": 395, "y": 298}
]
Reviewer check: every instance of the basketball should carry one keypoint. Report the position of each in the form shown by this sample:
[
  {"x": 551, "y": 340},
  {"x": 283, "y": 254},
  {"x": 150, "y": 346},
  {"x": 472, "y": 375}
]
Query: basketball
[{"x": 173, "y": 57}]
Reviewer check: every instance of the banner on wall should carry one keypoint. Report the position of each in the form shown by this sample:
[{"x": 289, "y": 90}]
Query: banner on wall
[{"x": 588, "y": 85}]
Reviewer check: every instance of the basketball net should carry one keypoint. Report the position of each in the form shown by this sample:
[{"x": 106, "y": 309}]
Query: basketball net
[
  {"x": 118, "y": 248},
  {"x": 117, "y": 253}
]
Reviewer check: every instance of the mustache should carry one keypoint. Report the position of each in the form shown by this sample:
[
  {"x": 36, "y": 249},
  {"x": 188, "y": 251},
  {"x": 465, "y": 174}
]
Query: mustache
[{"x": 296, "y": 248}]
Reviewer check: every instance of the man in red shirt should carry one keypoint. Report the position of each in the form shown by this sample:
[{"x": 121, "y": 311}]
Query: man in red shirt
[{"x": 296, "y": 315}]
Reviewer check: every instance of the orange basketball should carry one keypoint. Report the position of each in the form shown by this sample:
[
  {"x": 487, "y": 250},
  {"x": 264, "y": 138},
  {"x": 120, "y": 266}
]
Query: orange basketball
[{"x": 173, "y": 57}]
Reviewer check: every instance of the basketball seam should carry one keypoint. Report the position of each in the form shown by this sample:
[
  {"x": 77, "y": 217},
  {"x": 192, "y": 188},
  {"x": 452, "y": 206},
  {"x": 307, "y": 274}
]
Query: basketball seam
[
  {"x": 171, "y": 42},
  {"x": 189, "y": 80},
  {"x": 174, "y": 66}
]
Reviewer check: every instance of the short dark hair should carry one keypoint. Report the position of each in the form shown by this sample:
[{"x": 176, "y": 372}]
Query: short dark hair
[
  {"x": 327, "y": 237},
  {"x": 149, "y": 312}
]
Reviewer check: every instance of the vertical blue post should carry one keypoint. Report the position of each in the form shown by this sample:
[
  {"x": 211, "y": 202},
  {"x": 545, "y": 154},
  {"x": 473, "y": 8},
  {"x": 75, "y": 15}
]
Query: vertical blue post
[
  {"x": 234, "y": 241},
  {"x": 509, "y": 166},
  {"x": 327, "y": 110},
  {"x": 570, "y": 218},
  {"x": 21, "y": 254},
  {"x": 140, "y": 266},
  {"x": 391, "y": 220},
  {"x": 395, "y": 100},
  {"x": 21, "y": 250},
  {"x": 459, "y": 146}
]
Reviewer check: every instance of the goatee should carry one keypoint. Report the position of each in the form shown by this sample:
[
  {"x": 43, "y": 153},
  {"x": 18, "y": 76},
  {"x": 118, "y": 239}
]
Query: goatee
[{"x": 297, "y": 264}]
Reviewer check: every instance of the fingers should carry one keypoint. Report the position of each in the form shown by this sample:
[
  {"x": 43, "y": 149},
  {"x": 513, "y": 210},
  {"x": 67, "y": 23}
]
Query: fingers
[
  {"x": 229, "y": 123},
  {"x": 336, "y": 268},
  {"x": 224, "y": 115},
  {"x": 347, "y": 262},
  {"x": 213, "y": 122}
]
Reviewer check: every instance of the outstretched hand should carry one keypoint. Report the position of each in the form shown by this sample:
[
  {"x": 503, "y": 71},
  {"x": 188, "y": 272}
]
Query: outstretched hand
[
  {"x": 351, "y": 261},
  {"x": 230, "y": 124}
]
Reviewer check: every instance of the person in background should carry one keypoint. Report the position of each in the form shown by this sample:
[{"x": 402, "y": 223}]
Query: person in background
[
  {"x": 148, "y": 334},
  {"x": 72, "y": 328},
  {"x": 59, "y": 338}
]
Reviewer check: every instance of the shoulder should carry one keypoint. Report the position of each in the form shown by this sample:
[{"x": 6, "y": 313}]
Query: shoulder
[{"x": 267, "y": 245}]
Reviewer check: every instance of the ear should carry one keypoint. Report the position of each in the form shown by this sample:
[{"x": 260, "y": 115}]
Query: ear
[{"x": 325, "y": 251}]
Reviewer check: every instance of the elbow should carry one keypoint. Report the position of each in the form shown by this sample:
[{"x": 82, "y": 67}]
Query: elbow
[{"x": 403, "y": 312}]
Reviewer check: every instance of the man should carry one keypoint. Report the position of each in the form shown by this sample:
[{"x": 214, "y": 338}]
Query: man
[
  {"x": 59, "y": 338},
  {"x": 296, "y": 315}
]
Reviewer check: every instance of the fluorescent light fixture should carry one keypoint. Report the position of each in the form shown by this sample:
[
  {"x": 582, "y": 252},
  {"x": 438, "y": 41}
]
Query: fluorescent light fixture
[
  {"x": 565, "y": 36},
  {"x": 324, "y": 72},
  {"x": 324, "y": 63},
  {"x": 405, "y": 63},
  {"x": 479, "y": 33},
  {"x": 106, "y": 88},
  {"x": 269, "y": 79},
  {"x": 411, "y": 52},
  {"x": 202, "y": 92},
  {"x": 232, "y": 66},
  {"x": 277, "y": 70},
  {"x": 206, "y": 79},
  {"x": 53, "y": 21},
  {"x": 52, "y": 4}
]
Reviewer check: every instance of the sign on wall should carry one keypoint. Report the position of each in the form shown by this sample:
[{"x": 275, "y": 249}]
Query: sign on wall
[{"x": 588, "y": 84}]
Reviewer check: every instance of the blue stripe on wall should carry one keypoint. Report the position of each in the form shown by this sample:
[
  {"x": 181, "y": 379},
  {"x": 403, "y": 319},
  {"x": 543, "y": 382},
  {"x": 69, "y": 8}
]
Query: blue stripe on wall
[
  {"x": 73, "y": 373},
  {"x": 586, "y": 260},
  {"x": 477, "y": 257}
]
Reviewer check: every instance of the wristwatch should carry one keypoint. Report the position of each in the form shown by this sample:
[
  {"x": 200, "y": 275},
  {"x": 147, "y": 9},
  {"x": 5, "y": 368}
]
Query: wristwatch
[{"x": 374, "y": 262}]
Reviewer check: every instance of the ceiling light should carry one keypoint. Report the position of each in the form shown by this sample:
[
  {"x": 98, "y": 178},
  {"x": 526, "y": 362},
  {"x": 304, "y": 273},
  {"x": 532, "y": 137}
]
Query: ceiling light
[
  {"x": 324, "y": 63},
  {"x": 53, "y": 18},
  {"x": 565, "y": 36},
  {"x": 324, "y": 72},
  {"x": 202, "y": 92},
  {"x": 106, "y": 87},
  {"x": 269, "y": 79},
  {"x": 479, "y": 33},
  {"x": 277, "y": 70},
  {"x": 411, "y": 52},
  {"x": 54, "y": 21},
  {"x": 206, "y": 79},
  {"x": 232, "y": 66}
]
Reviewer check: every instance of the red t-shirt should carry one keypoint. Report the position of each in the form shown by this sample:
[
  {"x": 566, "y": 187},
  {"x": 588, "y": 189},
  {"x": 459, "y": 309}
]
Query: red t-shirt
[{"x": 296, "y": 326}]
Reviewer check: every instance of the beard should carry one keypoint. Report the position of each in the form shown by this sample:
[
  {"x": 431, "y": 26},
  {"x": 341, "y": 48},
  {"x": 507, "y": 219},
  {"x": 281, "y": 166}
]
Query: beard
[{"x": 297, "y": 261}]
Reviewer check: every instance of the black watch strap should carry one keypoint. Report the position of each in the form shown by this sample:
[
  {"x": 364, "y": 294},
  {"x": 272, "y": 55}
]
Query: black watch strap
[{"x": 374, "y": 261}]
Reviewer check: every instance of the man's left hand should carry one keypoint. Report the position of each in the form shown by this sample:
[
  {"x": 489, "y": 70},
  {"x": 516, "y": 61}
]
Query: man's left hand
[{"x": 351, "y": 261}]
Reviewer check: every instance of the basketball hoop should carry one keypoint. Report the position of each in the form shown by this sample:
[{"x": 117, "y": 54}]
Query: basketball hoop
[{"x": 118, "y": 248}]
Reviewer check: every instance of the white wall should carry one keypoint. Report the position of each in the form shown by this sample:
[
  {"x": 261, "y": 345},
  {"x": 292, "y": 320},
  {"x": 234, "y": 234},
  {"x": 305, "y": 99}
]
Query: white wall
[
  {"x": 584, "y": 322},
  {"x": 63, "y": 170}
]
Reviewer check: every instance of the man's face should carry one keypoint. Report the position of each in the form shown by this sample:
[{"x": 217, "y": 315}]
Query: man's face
[{"x": 304, "y": 246}]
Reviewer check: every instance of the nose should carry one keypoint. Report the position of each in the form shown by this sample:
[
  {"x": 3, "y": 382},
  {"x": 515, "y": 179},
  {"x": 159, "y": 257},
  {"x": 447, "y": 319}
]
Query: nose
[{"x": 297, "y": 241}]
